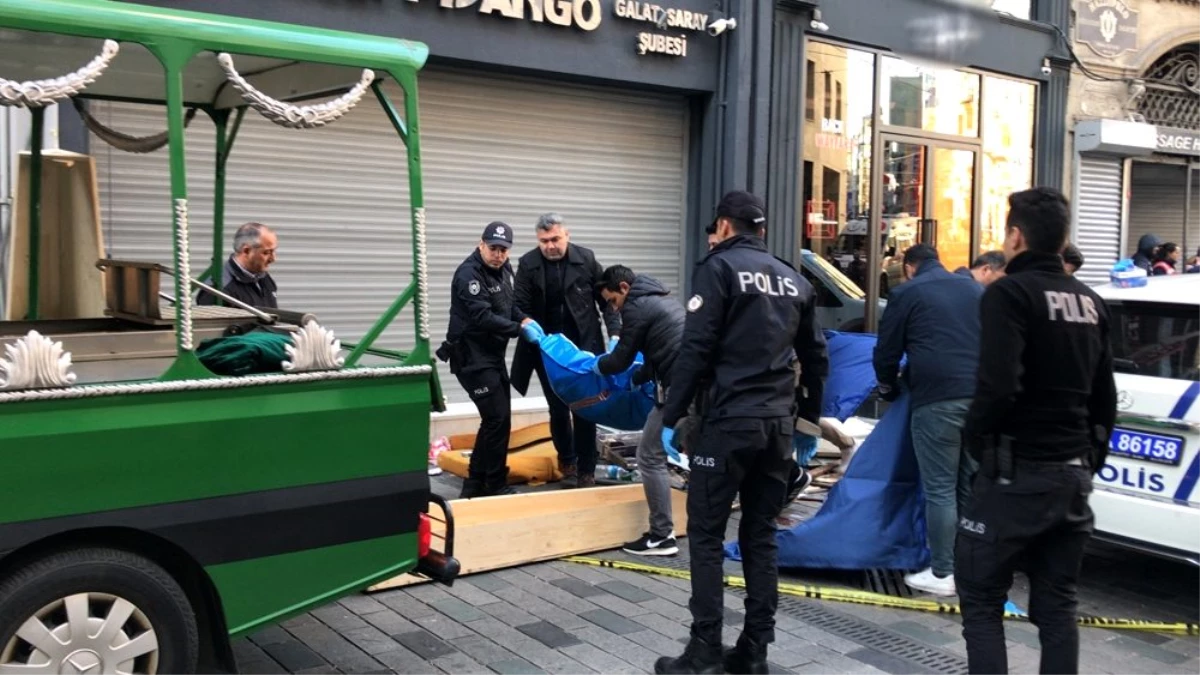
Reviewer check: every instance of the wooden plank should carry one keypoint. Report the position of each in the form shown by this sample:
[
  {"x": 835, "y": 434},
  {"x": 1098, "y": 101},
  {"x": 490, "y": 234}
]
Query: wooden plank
[
  {"x": 497, "y": 532},
  {"x": 519, "y": 438}
]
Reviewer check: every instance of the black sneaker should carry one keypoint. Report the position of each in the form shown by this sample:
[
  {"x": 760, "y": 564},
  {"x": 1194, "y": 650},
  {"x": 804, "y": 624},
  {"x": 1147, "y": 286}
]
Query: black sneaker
[
  {"x": 648, "y": 545},
  {"x": 800, "y": 480}
]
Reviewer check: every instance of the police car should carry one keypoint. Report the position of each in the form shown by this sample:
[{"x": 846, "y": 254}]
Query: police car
[{"x": 1146, "y": 496}]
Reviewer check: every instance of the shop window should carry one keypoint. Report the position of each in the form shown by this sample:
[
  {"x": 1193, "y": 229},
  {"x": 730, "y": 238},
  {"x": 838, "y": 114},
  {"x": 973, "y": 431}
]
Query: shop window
[
  {"x": 837, "y": 157},
  {"x": 828, "y": 95},
  {"x": 1007, "y": 152},
  {"x": 932, "y": 99},
  {"x": 810, "y": 91}
]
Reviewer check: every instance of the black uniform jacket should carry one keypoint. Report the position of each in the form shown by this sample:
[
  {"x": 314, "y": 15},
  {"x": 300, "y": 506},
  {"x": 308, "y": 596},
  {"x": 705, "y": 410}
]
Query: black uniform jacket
[
  {"x": 483, "y": 316},
  {"x": 651, "y": 323},
  {"x": 1045, "y": 362},
  {"x": 584, "y": 306},
  {"x": 750, "y": 318}
]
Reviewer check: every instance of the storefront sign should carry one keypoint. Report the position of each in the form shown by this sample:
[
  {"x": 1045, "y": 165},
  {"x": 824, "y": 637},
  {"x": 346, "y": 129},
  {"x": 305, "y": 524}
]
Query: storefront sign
[
  {"x": 664, "y": 18},
  {"x": 1178, "y": 142},
  {"x": 583, "y": 14},
  {"x": 1109, "y": 27},
  {"x": 833, "y": 141}
]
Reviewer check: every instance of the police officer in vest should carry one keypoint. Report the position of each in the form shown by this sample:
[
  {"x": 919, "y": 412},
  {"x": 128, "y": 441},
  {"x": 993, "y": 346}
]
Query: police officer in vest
[
  {"x": 750, "y": 318},
  {"x": 1044, "y": 407},
  {"x": 483, "y": 317}
]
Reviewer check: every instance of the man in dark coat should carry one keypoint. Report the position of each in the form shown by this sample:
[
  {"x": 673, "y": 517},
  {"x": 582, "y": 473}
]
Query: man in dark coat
[
  {"x": 556, "y": 286},
  {"x": 244, "y": 275},
  {"x": 934, "y": 319},
  {"x": 651, "y": 323},
  {"x": 1146, "y": 251}
]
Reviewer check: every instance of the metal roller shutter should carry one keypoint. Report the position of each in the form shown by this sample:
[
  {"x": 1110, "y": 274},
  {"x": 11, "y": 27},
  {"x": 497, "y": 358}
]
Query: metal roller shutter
[
  {"x": 1156, "y": 206},
  {"x": 1098, "y": 216},
  {"x": 494, "y": 148}
]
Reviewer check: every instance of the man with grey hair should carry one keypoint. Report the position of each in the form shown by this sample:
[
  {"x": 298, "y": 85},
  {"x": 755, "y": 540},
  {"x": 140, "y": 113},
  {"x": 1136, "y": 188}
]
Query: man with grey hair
[
  {"x": 556, "y": 286},
  {"x": 245, "y": 275}
]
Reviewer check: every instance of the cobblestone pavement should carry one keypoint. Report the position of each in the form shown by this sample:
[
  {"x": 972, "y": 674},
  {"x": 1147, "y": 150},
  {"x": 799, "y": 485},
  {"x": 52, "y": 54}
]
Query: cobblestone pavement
[{"x": 561, "y": 617}]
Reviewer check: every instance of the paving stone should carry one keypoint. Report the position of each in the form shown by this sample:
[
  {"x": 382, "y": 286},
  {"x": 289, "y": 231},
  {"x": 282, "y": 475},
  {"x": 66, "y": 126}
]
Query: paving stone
[
  {"x": 461, "y": 663},
  {"x": 611, "y": 622},
  {"x": 918, "y": 632},
  {"x": 623, "y": 607},
  {"x": 531, "y": 600},
  {"x": 515, "y": 576},
  {"x": 548, "y": 634},
  {"x": 790, "y": 655},
  {"x": 1019, "y": 635},
  {"x": 334, "y": 648},
  {"x": 654, "y": 641},
  {"x": 482, "y": 649},
  {"x": 602, "y": 661},
  {"x": 884, "y": 662},
  {"x": 576, "y": 587},
  {"x": 300, "y": 621},
  {"x": 776, "y": 669},
  {"x": 509, "y": 613},
  {"x": 626, "y": 591},
  {"x": 544, "y": 571},
  {"x": 472, "y": 596},
  {"x": 444, "y": 627},
  {"x": 458, "y": 610},
  {"x": 587, "y": 573},
  {"x": 270, "y": 635},
  {"x": 339, "y": 618},
  {"x": 1149, "y": 651},
  {"x": 618, "y": 645},
  {"x": 554, "y": 595},
  {"x": 515, "y": 667},
  {"x": 360, "y": 603},
  {"x": 485, "y": 582},
  {"x": 404, "y": 661},
  {"x": 669, "y": 627},
  {"x": 371, "y": 640},
  {"x": 319, "y": 670},
  {"x": 427, "y": 593},
  {"x": 661, "y": 590},
  {"x": 667, "y": 609},
  {"x": 252, "y": 659},
  {"x": 404, "y": 604},
  {"x": 498, "y": 631},
  {"x": 389, "y": 622},
  {"x": 1151, "y": 638},
  {"x": 550, "y": 660},
  {"x": 424, "y": 644},
  {"x": 734, "y": 617},
  {"x": 294, "y": 655}
]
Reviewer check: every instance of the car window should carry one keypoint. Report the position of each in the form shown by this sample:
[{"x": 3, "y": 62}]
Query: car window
[
  {"x": 1156, "y": 339},
  {"x": 825, "y": 297},
  {"x": 832, "y": 275}
]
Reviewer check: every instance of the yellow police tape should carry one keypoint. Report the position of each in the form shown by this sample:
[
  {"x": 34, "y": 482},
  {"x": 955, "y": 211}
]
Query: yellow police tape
[{"x": 881, "y": 600}]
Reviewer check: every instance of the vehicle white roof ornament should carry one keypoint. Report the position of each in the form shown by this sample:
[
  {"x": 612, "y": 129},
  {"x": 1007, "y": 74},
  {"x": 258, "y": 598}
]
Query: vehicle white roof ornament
[
  {"x": 313, "y": 348},
  {"x": 293, "y": 116},
  {"x": 41, "y": 93},
  {"x": 35, "y": 362}
]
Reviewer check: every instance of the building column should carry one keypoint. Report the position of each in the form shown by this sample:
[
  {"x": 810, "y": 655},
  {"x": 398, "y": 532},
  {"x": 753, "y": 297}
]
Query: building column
[{"x": 1051, "y": 135}]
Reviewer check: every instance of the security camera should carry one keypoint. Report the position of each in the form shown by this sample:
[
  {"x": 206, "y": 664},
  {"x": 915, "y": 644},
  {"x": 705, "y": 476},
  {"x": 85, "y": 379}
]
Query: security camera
[
  {"x": 817, "y": 24},
  {"x": 720, "y": 26},
  {"x": 1046, "y": 67}
]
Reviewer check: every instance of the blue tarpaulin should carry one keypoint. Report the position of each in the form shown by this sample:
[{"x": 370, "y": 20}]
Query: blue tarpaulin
[
  {"x": 873, "y": 518},
  {"x": 610, "y": 400}
]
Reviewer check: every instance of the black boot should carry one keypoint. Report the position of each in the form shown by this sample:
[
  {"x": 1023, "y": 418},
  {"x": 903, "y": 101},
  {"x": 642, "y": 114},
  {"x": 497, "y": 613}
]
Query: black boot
[
  {"x": 698, "y": 657},
  {"x": 747, "y": 658}
]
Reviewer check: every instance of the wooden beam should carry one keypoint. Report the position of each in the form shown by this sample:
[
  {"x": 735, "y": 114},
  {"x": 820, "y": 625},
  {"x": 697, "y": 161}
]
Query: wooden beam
[{"x": 497, "y": 532}]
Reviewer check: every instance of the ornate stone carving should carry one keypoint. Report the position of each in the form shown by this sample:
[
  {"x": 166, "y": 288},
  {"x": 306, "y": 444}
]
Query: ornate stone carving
[{"x": 35, "y": 362}]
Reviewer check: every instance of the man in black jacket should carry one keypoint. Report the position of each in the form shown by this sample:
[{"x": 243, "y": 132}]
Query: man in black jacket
[
  {"x": 752, "y": 316},
  {"x": 483, "y": 318},
  {"x": 651, "y": 323},
  {"x": 556, "y": 286},
  {"x": 1040, "y": 423},
  {"x": 245, "y": 275},
  {"x": 934, "y": 319}
]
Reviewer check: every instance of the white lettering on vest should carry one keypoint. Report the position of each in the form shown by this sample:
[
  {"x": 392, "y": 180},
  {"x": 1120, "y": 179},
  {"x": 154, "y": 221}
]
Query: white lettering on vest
[
  {"x": 1071, "y": 308},
  {"x": 777, "y": 286}
]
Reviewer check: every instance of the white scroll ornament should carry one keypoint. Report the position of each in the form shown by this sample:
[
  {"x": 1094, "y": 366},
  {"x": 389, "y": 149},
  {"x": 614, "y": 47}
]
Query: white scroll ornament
[
  {"x": 40, "y": 93},
  {"x": 313, "y": 348},
  {"x": 292, "y": 116},
  {"x": 35, "y": 362}
]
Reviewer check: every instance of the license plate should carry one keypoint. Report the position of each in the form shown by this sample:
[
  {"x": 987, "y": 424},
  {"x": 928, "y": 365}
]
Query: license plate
[{"x": 1155, "y": 448}]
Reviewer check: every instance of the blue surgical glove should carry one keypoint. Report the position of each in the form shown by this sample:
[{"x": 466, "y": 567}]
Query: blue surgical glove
[
  {"x": 668, "y": 441},
  {"x": 804, "y": 447},
  {"x": 612, "y": 343},
  {"x": 532, "y": 332}
]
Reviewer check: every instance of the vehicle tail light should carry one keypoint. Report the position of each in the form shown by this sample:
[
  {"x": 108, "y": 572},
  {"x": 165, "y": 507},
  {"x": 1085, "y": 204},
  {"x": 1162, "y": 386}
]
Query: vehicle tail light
[{"x": 424, "y": 536}]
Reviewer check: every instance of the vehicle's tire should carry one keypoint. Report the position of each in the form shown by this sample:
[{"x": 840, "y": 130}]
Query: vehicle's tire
[{"x": 116, "y": 597}]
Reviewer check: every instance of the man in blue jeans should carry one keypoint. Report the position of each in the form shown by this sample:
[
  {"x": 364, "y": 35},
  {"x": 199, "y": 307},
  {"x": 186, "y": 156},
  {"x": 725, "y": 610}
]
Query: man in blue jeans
[{"x": 934, "y": 319}]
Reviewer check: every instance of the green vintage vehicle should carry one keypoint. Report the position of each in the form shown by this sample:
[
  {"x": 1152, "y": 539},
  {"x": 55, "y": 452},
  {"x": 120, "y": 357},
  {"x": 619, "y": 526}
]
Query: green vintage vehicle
[{"x": 152, "y": 508}]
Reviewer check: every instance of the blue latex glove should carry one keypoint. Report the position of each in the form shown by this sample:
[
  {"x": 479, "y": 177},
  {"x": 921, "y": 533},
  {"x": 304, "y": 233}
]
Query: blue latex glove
[
  {"x": 612, "y": 343},
  {"x": 668, "y": 441},
  {"x": 532, "y": 332},
  {"x": 805, "y": 447}
]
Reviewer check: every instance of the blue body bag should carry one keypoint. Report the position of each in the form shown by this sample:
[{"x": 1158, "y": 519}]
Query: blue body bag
[{"x": 609, "y": 400}]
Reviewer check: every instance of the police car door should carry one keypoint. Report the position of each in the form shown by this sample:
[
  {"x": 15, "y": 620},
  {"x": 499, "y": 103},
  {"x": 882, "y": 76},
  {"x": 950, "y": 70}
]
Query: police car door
[{"x": 1147, "y": 496}]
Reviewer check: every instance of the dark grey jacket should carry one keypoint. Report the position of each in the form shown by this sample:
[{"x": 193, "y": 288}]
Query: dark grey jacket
[{"x": 651, "y": 323}]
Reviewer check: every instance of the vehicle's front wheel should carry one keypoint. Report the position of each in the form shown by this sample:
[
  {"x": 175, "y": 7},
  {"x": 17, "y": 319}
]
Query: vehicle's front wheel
[{"x": 95, "y": 610}]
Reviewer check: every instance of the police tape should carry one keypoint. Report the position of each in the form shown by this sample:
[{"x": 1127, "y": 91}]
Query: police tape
[{"x": 881, "y": 600}]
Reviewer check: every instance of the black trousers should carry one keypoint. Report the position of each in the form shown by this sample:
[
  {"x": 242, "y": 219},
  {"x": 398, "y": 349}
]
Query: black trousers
[
  {"x": 752, "y": 456},
  {"x": 1039, "y": 522},
  {"x": 574, "y": 437},
  {"x": 489, "y": 391}
]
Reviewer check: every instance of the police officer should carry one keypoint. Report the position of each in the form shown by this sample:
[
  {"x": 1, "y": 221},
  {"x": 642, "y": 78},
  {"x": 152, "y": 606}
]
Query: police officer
[
  {"x": 751, "y": 316},
  {"x": 483, "y": 317},
  {"x": 1039, "y": 424}
]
